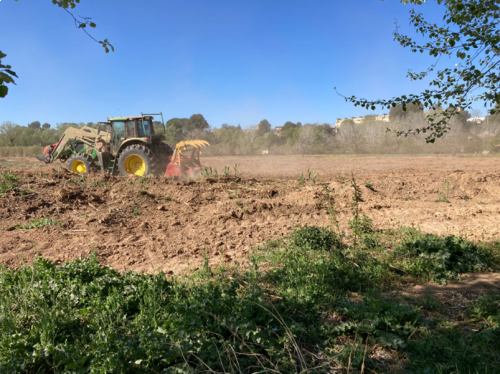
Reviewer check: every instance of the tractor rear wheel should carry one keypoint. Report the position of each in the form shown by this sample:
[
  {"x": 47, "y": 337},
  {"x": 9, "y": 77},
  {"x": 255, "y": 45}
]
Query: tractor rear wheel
[
  {"x": 137, "y": 160},
  {"x": 80, "y": 163}
]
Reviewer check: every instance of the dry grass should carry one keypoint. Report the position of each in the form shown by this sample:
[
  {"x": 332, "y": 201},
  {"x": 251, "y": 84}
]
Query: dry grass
[{"x": 20, "y": 151}]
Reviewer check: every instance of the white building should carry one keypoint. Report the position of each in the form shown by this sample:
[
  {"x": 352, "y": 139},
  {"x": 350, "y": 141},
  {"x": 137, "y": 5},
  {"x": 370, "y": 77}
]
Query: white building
[
  {"x": 476, "y": 119},
  {"x": 277, "y": 130},
  {"x": 383, "y": 118}
]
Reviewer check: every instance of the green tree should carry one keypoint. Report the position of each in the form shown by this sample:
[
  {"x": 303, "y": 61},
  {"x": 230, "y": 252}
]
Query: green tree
[
  {"x": 35, "y": 125},
  {"x": 46, "y": 126},
  {"x": 158, "y": 126},
  {"x": 197, "y": 122},
  {"x": 10, "y": 133},
  {"x": 290, "y": 131},
  {"x": 470, "y": 34},
  {"x": 176, "y": 129},
  {"x": 263, "y": 127}
]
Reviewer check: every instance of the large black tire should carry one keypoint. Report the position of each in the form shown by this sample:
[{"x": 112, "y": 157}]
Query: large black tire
[
  {"x": 137, "y": 160},
  {"x": 80, "y": 163}
]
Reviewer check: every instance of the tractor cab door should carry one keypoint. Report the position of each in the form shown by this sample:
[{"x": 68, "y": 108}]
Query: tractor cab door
[
  {"x": 130, "y": 129},
  {"x": 117, "y": 135}
]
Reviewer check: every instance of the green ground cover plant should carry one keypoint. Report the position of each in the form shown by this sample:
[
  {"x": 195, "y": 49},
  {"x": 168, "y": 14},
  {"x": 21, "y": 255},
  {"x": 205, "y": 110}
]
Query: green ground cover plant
[
  {"x": 441, "y": 259},
  {"x": 308, "y": 303},
  {"x": 39, "y": 222},
  {"x": 8, "y": 182}
]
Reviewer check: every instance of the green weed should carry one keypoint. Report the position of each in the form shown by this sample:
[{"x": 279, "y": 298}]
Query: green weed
[
  {"x": 301, "y": 181},
  {"x": 441, "y": 259},
  {"x": 361, "y": 224},
  {"x": 486, "y": 308},
  {"x": 8, "y": 182},
  {"x": 370, "y": 186},
  {"x": 385, "y": 319},
  {"x": 430, "y": 303},
  {"x": 40, "y": 222},
  {"x": 443, "y": 196}
]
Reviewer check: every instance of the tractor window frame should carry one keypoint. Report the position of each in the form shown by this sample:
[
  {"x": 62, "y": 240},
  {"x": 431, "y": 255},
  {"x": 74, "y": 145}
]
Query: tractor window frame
[
  {"x": 130, "y": 125},
  {"x": 140, "y": 127},
  {"x": 116, "y": 126}
]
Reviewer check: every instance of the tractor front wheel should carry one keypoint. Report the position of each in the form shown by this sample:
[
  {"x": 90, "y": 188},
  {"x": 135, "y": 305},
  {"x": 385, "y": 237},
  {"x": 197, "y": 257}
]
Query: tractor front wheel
[
  {"x": 137, "y": 160},
  {"x": 80, "y": 163}
]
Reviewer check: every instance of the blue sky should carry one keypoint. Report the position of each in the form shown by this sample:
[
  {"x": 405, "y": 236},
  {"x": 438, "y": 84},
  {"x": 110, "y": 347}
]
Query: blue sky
[{"x": 235, "y": 62}]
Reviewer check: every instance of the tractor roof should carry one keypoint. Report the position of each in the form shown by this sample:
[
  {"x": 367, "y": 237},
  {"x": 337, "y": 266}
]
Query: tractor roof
[{"x": 126, "y": 118}]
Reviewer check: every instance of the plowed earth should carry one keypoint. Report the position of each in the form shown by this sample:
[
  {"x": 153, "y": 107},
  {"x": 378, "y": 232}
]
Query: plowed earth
[{"x": 158, "y": 224}]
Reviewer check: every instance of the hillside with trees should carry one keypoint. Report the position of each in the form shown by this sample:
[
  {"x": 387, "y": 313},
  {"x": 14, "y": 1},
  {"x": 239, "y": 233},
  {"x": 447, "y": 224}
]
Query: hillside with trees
[{"x": 367, "y": 137}]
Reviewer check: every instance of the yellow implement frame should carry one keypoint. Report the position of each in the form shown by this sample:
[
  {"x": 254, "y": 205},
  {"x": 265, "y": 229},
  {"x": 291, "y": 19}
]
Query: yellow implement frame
[{"x": 186, "y": 146}]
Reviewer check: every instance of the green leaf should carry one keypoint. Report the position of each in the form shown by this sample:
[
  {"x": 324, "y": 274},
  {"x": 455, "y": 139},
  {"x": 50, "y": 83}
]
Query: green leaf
[
  {"x": 11, "y": 73},
  {"x": 3, "y": 91},
  {"x": 6, "y": 78}
]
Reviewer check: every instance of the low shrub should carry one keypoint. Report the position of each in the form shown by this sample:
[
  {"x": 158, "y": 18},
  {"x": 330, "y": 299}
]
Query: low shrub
[
  {"x": 361, "y": 225},
  {"x": 440, "y": 259},
  {"x": 314, "y": 238}
]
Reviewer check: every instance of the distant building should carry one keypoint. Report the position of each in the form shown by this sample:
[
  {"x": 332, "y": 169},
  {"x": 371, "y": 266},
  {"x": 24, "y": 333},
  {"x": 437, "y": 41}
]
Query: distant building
[
  {"x": 339, "y": 121},
  {"x": 383, "y": 118},
  {"x": 476, "y": 119},
  {"x": 277, "y": 130}
]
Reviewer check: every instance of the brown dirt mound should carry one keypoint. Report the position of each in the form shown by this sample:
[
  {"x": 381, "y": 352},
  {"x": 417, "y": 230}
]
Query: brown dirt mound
[{"x": 160, "y": 224}]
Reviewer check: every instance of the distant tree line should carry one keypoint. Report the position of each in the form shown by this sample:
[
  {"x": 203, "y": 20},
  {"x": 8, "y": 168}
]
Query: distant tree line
[{"x": 369, "y": 136}]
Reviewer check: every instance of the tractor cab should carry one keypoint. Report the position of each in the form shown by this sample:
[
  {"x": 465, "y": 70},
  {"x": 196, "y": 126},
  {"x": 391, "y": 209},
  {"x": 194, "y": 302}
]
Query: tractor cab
[{"x": 125, "y": 129}]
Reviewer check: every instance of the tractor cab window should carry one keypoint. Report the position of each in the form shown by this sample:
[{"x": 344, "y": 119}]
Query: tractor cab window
[
  {"x": 130, "y": 129},
  {"x": 145, "y": 128},
  {"x": 118, "y": 131}
]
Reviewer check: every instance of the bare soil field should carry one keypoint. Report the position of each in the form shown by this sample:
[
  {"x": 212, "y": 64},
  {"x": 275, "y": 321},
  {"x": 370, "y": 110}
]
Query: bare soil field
[{"x": 154, "y": 224}]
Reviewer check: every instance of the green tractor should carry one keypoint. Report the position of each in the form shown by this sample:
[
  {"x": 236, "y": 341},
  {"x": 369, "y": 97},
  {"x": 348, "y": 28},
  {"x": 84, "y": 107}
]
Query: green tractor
[{"x": 122, "y": 145}]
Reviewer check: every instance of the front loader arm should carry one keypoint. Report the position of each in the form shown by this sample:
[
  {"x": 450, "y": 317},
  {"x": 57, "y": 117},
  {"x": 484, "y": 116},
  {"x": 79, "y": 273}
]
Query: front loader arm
[{"x": 65, "y": 146}]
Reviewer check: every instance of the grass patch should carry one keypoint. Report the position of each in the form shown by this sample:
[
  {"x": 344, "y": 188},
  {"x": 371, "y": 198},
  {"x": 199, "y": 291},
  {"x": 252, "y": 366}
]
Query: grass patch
[
  {"x": 487, "y": 309},
  {"x": 39, "y": 222},
  {"x": 8, "y": 182},
  {"x": 20, "y": 151}
]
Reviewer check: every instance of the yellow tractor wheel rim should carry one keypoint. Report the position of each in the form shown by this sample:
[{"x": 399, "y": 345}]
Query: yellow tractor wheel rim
[
  {"x": 135, "y": 165},
  {"x": 78, "y": 167}
]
